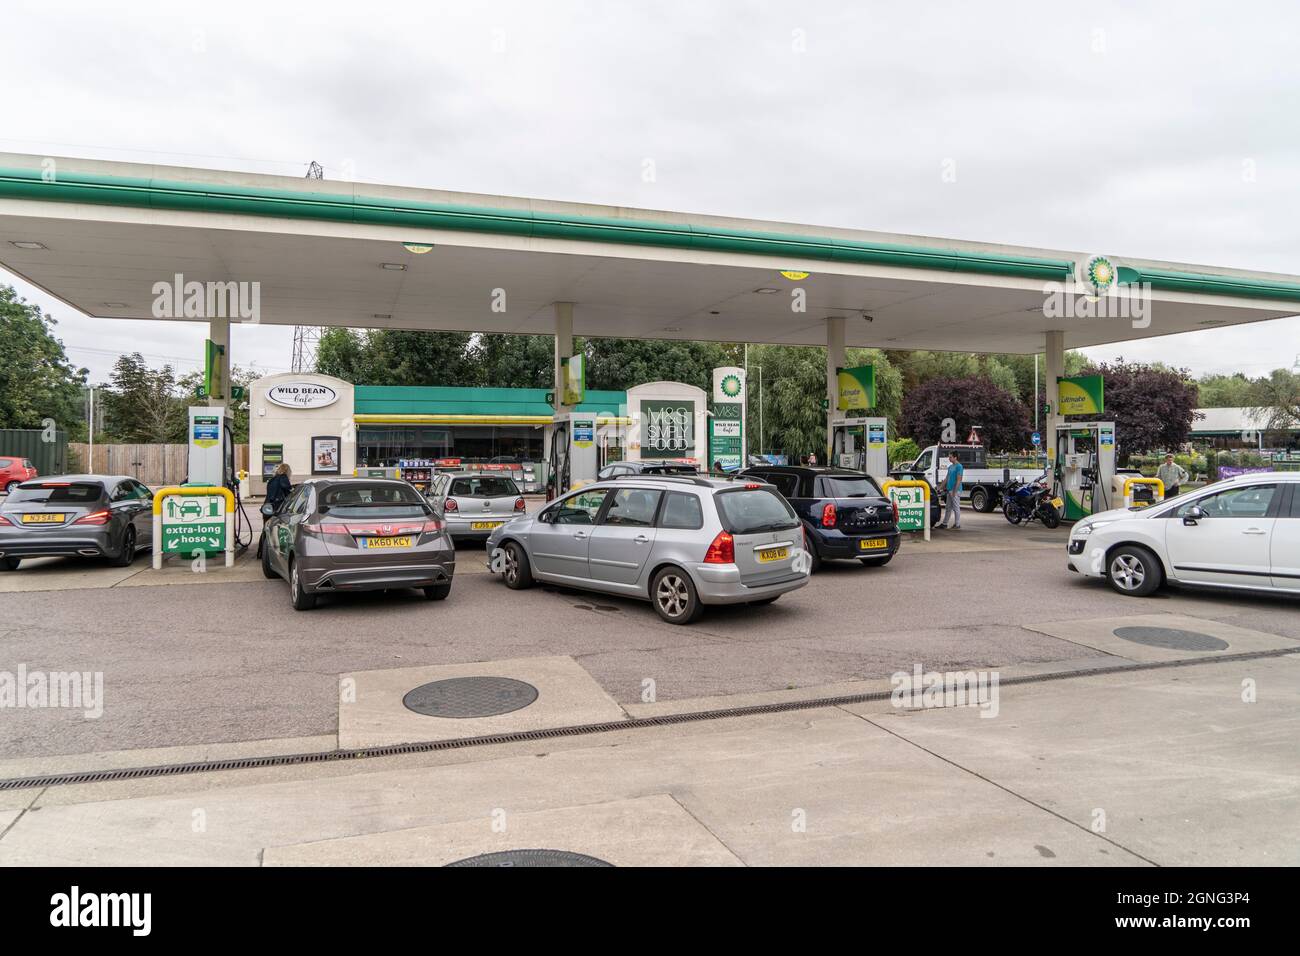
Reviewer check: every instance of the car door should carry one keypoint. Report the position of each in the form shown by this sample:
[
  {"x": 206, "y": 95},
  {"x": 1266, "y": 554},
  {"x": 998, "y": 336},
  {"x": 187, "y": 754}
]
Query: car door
[
  {"x": 284, "y": 526},
  {"x": 559, "y": 544},
  {"x": 1284, "y": 547},
  {"x": 144, "y": 520},
  {"x": 624, "y": 537},
  {"x": 1230, "y": 544},
  {"x": 125, "y": 503}
]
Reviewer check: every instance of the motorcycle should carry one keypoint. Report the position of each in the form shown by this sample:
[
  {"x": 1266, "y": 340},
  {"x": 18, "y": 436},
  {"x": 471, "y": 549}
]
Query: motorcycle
[{"x": 1022, "y": 502}]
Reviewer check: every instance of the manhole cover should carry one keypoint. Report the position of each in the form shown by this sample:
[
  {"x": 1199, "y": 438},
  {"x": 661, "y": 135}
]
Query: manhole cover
[
  {"x": 470, "y": 697},
  {"x": 531, "y": 858},
  {"x": 1171, "y": 638}
]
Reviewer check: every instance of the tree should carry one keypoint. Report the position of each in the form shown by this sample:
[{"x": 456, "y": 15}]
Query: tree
[
  {"x": 341, "y": 353},
  {"x": 623, "y": 363},
  {"x": 1280, "y": 410},
  {"x": 515, "y": 361},
  {"x": 954, "y": 405},
  {"x": 142, "y": 404},
  {"x": 36, "y": 380},
  {"x": 1152, "y": 406},
  {"x": 789, "y": 405}
]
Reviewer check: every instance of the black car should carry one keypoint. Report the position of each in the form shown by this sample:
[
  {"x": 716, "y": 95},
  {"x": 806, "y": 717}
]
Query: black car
[
  {"x": 616, "y": 468},
  {"x": 844, "y": 513}
]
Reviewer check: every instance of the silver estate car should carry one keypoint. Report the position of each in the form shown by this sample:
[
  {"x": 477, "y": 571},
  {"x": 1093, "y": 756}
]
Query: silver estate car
[
  {"x": 475, "y": 505},
  {"x": 356, "y": 534},
  {"x": 678, "y": 542}
]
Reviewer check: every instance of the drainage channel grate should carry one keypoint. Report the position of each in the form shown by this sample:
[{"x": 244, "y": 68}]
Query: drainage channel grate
[
  {"x": 462, "y": 697},
  {"x": 1171, "y": 638},
  {"x": 521, "y": 736},
  {"x": 531, "y": 858}
]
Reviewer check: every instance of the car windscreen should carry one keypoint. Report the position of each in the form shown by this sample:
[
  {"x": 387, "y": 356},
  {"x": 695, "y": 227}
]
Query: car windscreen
[
  {"x": 484, "y": 486},
  {"x": 847, "y": 486},
  {"x": 77, "y": 492},
  {"x": 372, "y": 501},
  {"x": 751, "y": 510}
]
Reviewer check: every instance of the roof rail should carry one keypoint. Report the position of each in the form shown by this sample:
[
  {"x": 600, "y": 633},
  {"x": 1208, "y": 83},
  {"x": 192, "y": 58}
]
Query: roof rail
[{"x": 690, "y": 479}]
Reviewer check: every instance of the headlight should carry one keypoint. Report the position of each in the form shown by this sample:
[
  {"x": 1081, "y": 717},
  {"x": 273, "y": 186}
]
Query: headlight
[{"x": 1083, "y": 530}]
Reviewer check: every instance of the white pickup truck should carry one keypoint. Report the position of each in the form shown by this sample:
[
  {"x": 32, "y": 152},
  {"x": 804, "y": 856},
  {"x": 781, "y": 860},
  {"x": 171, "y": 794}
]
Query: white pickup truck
[{"x": 981, "y": 484}]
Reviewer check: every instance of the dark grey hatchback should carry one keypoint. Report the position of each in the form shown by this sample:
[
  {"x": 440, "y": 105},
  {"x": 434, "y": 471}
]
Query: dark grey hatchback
[
  {"x": 92, "y": 516},
  {"x": 349, "y": 534}
]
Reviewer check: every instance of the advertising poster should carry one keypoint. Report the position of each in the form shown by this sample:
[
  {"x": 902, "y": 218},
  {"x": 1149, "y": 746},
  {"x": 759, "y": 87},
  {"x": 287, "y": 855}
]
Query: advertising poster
[
  {"x": 325, "y": 455},
  {"x": 857, "y": 387},
  {"x": 668, "y": 429}
]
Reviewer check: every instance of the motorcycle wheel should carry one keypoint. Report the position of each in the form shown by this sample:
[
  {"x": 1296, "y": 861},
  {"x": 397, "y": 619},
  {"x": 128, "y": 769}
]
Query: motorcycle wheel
[
  {"x": 1051, "y": 519},
  {"x": 1012, "y": 511}
]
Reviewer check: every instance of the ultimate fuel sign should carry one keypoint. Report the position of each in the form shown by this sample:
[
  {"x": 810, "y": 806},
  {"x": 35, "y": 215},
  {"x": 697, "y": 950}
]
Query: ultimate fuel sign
[
  {"x": 857, "y": 388},
  {"x": 726, "y": 437},
  {"x": 1081, "y": 395}
]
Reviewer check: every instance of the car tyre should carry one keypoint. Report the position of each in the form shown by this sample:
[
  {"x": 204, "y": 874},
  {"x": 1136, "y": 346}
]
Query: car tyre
[
  {"x": 437, "y": 592},
  {"x": 9, "y": 488},
  {"x": 267, "y": 570},
  {"x": 518, "y": 574},
  {"x": 9, "y": 564},
  {"x": 877, "y": 562},
  {"x": 127, "y": 555},
  {"x": 672, "y": 592},
  {"x": 1133, "y": 570},
  {"x": 302, "y": 601},
  {"x": 814, "y": 560}
]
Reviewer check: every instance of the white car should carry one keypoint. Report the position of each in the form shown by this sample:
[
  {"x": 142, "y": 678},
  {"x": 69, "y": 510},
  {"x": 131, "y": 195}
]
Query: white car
[{"x": 1241, "y": 533}]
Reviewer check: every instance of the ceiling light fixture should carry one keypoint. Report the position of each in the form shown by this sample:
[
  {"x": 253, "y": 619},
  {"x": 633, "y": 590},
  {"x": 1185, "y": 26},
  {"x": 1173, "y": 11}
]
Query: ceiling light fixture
[
  {"x": 418, "y": 248},
  {"x": 28, "y": 244},
  {"x": 382, "y": 315},
  {"x": 115, "y": 305},
  {"x": 393, "y": 266},
  {"x": 672, "y": 328}
]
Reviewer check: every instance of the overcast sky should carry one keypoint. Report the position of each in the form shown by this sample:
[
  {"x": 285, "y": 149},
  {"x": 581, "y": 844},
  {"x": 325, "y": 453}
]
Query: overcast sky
[{"x": 1166, "y": 132}]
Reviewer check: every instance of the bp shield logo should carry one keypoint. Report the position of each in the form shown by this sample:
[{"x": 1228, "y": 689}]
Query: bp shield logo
[
  {"x": 1097, "y": 274},
  {"x": 730, "y": 386}
]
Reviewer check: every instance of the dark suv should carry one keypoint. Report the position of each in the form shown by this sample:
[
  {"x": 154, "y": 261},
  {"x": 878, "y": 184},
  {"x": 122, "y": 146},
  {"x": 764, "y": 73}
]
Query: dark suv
[{"x": 844, "y": 513}]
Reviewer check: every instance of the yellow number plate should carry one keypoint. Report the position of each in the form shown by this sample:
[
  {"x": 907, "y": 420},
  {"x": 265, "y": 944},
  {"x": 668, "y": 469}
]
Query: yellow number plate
[
  {"x": 773, "y": 554},
  {"x": 485, "y": 525},
  {"x": 46, "y": 518},
  {"x": 871, "y": 544},
  {"x": 371, "y": 543},
  {"x": 1058, "y": 504}
]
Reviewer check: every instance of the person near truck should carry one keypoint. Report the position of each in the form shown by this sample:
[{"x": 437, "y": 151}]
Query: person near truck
[
  {"x": 952, "y": 492},
  {"x": 1172, "y": 475}
]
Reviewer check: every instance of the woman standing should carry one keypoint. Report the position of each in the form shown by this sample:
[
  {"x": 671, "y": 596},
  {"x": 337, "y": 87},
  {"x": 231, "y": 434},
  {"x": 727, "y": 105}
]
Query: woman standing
[{"x": 278, "y": 488}]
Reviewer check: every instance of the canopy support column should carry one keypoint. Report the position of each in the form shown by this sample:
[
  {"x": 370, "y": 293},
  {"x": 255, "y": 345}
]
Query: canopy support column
[{"x": 834, "y": 362}]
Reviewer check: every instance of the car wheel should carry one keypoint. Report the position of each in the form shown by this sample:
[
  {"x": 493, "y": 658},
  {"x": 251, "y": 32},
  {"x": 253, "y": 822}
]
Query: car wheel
[
  {"x": 127, "y": 555},
  {"x": 1133, "y": 570},
  {"x": 673, "y": 594},
  {"x": 877, "y": 562},
  {"x": 9, "y": 488},
  {"x": 438, "y": 592},
  {"x": 518, "y": 574},
  {"x": 979, "y": 500},
  {"x": 267, "y": 570},
  {"x": 302, "y": 601},
  {"x": 9, "y": 564}
]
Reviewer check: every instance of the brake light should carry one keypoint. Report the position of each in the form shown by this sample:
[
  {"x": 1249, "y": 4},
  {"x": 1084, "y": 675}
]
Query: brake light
[
  {"x": 722, "y": 550},
  {"x": 450, "y": 505},
  {"x": 519, "y": 504},
  {"x": 828, "y": 515},
  {"x": 753, "y": 487},
  {"x": 95, "y": 517},
  {"x": 327, "y": 528},
  {"x": 431, "y": 526}
]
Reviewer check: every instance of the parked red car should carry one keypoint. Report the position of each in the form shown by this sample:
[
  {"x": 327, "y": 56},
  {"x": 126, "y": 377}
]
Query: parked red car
[{"x": 13, "y": 472}]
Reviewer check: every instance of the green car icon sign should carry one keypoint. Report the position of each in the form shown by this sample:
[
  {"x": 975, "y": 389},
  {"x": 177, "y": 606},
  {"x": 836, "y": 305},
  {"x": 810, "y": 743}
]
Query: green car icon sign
[{"x": 191, "y": 509}]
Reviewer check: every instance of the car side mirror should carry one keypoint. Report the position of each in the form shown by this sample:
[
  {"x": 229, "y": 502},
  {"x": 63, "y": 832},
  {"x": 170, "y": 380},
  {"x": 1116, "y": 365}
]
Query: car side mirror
[
  {"x": 267, "y": 510},
  {"x": 546, "y": 517},
  {"x": 1193, "y": 514}
]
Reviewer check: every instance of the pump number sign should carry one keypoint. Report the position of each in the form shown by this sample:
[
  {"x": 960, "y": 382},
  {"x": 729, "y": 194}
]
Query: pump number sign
[{"x": 193, "y": 522}]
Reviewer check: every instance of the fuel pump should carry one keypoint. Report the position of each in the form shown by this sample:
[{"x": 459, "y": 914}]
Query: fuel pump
[
  {"x": 212, "y": 460},
  {"x": 861, "y": 444},
  {"x": 570, "y": 452},
  {"x": 1085, "y": 467}
]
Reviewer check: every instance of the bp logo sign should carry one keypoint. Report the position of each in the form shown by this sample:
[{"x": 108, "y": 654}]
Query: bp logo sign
[
  {"x": 1097, "y": 274},
  {"x": 731, "y": 386}
]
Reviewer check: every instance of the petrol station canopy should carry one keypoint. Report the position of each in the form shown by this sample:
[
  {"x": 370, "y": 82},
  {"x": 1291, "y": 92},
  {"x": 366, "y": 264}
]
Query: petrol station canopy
[{"x": 100, "y": 235}]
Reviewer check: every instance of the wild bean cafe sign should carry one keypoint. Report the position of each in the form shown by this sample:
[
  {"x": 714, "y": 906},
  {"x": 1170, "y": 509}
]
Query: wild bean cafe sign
[
  {"x": 668, "y": 429},
  {"x": 301, "y": 395}
]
